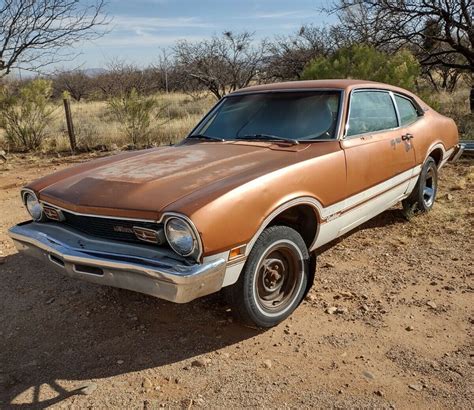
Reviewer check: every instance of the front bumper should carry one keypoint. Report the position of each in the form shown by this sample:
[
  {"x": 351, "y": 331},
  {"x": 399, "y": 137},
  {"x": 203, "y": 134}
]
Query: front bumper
[{"x": 141, "y": 268}]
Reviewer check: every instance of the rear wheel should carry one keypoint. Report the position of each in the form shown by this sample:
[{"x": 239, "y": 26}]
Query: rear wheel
[
  {"x": 274, "y": 279},
  {"x": 424, "y": 194}
]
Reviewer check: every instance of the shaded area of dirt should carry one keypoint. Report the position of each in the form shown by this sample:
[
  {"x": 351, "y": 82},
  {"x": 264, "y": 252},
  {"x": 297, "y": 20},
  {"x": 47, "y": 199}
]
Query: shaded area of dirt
[{"x": 401, "y": 334}]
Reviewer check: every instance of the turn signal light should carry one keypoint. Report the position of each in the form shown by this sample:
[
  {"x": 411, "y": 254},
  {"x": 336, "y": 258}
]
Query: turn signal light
[{"x": 234, "y": 253}]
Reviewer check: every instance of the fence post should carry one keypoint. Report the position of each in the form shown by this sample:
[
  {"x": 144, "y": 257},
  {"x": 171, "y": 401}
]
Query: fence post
[{"x": 70, "y": 125}]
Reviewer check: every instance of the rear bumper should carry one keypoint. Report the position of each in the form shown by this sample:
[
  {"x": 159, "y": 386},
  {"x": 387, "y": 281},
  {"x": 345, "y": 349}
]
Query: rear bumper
[
  {"x": 458, "y": 150},
  {"x": 140, "y": 268}
]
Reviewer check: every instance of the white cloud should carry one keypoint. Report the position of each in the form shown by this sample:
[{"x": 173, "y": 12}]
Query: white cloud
[
  {"x": 285, "y": 14},
  {"x": 155, "y": 23},
  {"x": 143, "y": 40}
]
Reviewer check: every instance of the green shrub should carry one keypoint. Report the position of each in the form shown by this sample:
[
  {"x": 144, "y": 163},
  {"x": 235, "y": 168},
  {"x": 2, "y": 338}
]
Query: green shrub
[
  {"x": 135, "y": 114},
  {"x": 25, "y": 116},
  {"x": 366, "y": 63}
]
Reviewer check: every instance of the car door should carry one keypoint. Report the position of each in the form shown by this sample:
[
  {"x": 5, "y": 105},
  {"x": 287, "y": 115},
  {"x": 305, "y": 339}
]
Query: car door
[
  {"x": 379, "y": 156},
  {"x": 412, "y": 129}
]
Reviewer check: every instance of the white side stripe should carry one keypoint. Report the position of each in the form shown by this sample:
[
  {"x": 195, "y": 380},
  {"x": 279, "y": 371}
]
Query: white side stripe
[
  {"x": 357, "y": 216},
  {"x": 332, "y": 212},
  {"x": 354, "y": 200}
]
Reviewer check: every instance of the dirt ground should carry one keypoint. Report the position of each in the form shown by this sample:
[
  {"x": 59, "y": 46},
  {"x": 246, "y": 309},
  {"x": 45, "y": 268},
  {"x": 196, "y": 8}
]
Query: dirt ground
[{"x": 401, "y": 336}]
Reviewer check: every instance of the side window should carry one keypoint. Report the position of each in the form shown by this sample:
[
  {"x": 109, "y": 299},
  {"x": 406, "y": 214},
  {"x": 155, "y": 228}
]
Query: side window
[
  {"x": 406, "y": 110},
  {"x": 371, "y": 111}
]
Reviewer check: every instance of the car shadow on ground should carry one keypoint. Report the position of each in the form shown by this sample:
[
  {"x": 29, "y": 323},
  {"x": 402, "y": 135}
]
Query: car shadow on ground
[{"x": 56, "y": 328}]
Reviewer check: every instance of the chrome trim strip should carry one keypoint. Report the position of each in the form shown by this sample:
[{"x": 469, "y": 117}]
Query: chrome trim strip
[
  {"x": 397, "y": 112},
  {"x": 23, "y": 194},
  {"x": 24, "y": 191},
  {"x": 98, "y": 216},
  {"x": 283, "y": 90},
  {"x": 205, "y": 117},
  {"x": 342, "y": 103}
]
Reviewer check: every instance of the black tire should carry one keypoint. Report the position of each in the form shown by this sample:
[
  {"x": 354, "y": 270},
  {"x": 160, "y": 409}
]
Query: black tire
[
  {"x": 274, "y": 279},
  {"x": 423, "y": 196}
]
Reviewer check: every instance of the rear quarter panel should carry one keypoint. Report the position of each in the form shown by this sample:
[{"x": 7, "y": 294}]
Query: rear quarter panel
[{"x": 433, "y": 130}]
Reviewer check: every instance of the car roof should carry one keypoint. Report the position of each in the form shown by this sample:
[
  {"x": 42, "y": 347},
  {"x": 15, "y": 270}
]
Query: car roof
[
  {"x": 342, "y": 84},
  {"x": 335, "y": 84}
]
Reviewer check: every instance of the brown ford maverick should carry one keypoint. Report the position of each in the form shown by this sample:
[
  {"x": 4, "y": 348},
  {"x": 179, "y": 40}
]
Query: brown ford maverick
[{"x": 268, "y": 176}]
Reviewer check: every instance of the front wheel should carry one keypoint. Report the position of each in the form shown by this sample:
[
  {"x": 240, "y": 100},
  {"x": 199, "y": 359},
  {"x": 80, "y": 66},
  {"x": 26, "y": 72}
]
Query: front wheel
[
  {"x": 424, "y": 194},
  {"x": 274, "y": 279}
]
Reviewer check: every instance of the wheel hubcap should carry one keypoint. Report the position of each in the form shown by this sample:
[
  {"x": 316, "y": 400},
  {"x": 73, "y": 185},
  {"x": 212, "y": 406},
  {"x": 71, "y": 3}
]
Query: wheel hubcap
[
  {"x": 278, "y": 276},
  {"x": 429, "y": 188},
  {"x": 273, "y": 274}
]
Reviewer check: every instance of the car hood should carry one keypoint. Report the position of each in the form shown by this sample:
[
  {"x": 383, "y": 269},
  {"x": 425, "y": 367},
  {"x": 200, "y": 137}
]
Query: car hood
[{"x": 141, "y": 184}]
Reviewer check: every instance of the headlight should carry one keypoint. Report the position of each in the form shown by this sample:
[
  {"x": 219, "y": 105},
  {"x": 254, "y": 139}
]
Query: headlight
[
  {"x": 181, "y": 236},
  {"x": 33, "y": 206}
]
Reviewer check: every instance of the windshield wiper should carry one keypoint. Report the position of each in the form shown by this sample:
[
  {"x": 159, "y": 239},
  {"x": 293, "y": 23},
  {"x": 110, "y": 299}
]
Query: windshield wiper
[
  {"x": 267, "y": 137},
  {"x": 206, "y": 137}
]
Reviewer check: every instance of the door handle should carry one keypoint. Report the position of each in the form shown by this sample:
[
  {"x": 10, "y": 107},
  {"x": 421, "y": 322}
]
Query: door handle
[{"x": 407, "y": 137}]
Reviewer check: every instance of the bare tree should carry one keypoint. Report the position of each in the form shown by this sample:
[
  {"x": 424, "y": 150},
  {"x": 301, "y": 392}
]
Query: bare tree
[
  {"x": 222, "y": 64},
  {"x": 289, "y": 54},
  {"x": 36, "y": 33},
  {"x": 359, "y": 24},
  {"x": 398, "y": 23},
  {"x": 121, "y": 78},
  {"x": 440, "y": 33},
  {"x": 76, "y": 82},
  {"x": 441, "y": 75}
]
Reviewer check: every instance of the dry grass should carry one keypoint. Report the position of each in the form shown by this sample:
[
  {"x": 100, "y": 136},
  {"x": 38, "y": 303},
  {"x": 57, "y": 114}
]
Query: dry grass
[
  {"x": 456, "y": 106},
  {"x": 96, "y": 128}
]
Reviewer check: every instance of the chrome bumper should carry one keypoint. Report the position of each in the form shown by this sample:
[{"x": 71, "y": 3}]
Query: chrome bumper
[
  {"x": 141, "y": 268},
  {"x": 458, "y": 150}
]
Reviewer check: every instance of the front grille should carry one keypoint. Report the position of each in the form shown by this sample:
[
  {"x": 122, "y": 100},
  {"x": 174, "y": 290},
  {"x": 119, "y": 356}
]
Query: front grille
[{"x": 117, "y": 229}]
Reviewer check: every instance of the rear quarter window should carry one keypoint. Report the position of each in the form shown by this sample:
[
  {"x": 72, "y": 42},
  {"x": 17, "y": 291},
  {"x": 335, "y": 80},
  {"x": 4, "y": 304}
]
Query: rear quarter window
[{"x": 406, "y": 109}]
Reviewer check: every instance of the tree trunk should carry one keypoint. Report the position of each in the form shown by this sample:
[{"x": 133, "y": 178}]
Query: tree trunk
[{"x": 472, "y": 98}]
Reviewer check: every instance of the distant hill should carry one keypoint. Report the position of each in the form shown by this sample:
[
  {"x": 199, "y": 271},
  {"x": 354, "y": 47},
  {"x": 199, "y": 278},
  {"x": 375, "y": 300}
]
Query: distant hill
[{"x": 92, "y": 72}]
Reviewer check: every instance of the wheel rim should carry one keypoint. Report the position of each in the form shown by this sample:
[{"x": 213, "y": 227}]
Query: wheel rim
[
  {"x": 429, "y": 188},
  {"x": 278, "y": 277}
]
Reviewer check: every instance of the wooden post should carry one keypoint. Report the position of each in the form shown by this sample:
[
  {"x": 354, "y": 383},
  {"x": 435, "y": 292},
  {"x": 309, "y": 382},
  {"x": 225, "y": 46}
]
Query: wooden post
[{"x": 70, "y": 125}]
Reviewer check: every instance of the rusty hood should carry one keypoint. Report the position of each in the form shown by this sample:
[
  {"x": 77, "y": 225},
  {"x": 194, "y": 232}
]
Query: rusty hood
[{"x": 141, "y": 184}]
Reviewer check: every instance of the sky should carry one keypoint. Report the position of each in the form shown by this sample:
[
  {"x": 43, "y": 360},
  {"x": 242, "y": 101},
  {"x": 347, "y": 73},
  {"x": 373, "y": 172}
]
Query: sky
[{"x": 139, "y": 29}]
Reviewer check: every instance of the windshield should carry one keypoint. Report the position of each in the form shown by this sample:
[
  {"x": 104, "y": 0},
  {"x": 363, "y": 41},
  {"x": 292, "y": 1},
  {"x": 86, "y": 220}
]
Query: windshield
[{"x": 306, "y": 115}]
